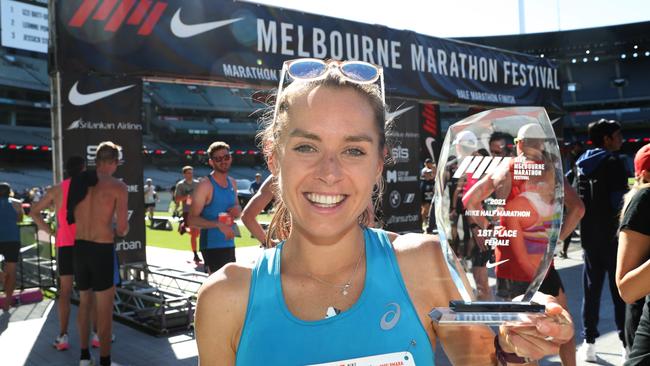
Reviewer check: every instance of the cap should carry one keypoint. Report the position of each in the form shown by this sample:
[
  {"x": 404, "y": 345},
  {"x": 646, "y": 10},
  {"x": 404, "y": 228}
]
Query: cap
[
  {"x": 530, "y": 131},
  {"x": 258, "y": 174},
  {"x": 642, "y": 160},
  {"x": 148, "y": 180},
  {"x": 428, "y": 160},
  {"x": 466, "y": 138}
]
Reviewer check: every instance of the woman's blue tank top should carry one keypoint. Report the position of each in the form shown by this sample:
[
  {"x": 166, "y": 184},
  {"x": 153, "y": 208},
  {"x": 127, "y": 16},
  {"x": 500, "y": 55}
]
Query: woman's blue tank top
[
  {"x": 383, "y": 320},
  {"x": 222, "y": 200},
  {"x": 9, "y": 231}
]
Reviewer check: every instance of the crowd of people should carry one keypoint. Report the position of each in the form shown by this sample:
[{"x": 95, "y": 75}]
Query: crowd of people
[{"x": 325, "y": 146}]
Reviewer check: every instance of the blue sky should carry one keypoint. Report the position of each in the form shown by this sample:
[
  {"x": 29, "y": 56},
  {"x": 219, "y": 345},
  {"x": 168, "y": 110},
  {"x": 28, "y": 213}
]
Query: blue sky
[{"x": 463, "y": 18}]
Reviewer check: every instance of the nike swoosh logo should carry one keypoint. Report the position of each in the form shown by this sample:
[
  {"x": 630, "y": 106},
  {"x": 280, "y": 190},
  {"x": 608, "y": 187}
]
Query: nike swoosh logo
[
  {"x": 393, "y": 115},
  {"x": 182, "y": 30},
  {"x": 492, "y": 265},
  {"x": 79, "y": 99}
]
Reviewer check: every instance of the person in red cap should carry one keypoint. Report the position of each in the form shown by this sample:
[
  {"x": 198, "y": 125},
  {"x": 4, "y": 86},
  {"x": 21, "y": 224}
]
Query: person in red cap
[{"x": 632, "y": 269}]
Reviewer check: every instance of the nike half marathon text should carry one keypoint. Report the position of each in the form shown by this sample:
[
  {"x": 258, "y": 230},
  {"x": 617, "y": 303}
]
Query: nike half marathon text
[{"x": 289, "y": 39}]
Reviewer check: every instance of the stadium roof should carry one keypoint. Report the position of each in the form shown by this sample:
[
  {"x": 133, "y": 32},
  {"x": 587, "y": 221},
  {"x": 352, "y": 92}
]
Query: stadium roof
[{"x": 563, "y": 45}]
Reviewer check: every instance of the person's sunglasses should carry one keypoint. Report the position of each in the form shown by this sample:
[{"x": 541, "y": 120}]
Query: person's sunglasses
[
  {"x": 219, "y": 159},
  {"x": 312, "y": 69}
]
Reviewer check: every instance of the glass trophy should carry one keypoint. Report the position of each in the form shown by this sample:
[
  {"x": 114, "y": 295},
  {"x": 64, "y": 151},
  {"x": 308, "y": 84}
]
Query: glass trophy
[{"x": 498, "y": 205}]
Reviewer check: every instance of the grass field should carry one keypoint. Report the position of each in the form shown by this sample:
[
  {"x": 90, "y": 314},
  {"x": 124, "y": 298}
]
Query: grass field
[{"x": 173, "y": 240}]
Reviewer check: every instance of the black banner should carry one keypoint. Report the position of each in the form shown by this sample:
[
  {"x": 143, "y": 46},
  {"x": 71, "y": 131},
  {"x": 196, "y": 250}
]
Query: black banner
[
  {"x": 402, "y": 199},
  {"x": 246, "y": 43},
  {"x": 430, "y": 140},
  {"x": 96, "y": 109}
]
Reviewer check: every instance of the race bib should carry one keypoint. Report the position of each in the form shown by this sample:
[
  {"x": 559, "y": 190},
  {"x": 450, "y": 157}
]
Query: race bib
[{"x": 388, "y": 359}]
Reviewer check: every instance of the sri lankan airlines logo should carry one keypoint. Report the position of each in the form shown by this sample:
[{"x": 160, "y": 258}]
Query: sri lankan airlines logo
[{"x": 480, "y": 165}]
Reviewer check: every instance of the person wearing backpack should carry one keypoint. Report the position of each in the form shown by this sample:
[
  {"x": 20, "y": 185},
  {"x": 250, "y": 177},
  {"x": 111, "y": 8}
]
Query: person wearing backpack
[{"x": 602, "y": 182}]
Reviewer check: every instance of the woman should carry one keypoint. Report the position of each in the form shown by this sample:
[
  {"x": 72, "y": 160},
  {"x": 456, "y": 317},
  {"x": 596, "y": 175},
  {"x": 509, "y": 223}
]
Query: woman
[
  {"x": 633, "y": 258},
  {"x": 334, "y": 290}
]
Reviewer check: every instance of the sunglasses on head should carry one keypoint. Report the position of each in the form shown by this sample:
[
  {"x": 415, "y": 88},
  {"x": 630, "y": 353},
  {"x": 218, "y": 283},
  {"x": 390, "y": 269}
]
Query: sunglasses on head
[
  {"x": 312, "y": 69},
  {"x": 219, "y": 159}
]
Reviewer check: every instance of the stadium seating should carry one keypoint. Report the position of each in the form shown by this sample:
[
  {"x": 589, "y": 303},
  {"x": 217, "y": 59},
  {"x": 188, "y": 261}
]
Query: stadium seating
[{"x": 20, "y": 72}]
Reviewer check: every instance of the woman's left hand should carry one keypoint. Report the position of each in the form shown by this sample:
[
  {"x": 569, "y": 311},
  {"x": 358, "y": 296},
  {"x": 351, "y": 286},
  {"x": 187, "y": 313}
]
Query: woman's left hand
[{"x": 540, "y": 337}]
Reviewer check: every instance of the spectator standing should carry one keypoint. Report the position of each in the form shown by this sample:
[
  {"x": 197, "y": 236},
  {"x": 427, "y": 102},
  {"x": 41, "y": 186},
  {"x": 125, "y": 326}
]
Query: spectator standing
[
  {"x": 11, "y": 214},
  {"x": 56, "y": 197},
  {"x": 427, "y": 180},
  {"x": 183, "y": 195},
  {"x": 633, "y": 259},
  {"x": 214, "y": 209},
  {"x": 255, "y": 186},
  {"x": 602, "y": 182},
  {"x": 150, "y": 196},
  {"x": 571, "y": 173}
]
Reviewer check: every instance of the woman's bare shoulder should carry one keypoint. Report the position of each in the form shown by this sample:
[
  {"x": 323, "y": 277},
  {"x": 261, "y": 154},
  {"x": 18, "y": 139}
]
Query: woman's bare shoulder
[
  {"x": 220, "y": 313},
  {"x": 415, "y": 245},
  {"x": 229, "y": 282}
]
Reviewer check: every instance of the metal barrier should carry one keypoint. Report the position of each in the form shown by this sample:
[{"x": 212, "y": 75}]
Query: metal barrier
[
  {"x": 35, "y": 267},
  {"x": 156, "y": 299}
]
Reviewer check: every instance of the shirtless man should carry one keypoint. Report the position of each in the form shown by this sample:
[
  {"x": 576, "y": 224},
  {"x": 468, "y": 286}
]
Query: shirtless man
[
  {"x": 100, "y": 198},
  {"x": 57, "y": 197}
]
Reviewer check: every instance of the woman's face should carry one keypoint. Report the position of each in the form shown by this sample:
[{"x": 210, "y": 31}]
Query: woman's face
[{"x": 327, "y": 160}]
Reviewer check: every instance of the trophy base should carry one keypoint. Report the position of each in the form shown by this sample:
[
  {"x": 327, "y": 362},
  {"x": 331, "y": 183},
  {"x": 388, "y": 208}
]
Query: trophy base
[{"x": 485, "y": 312}]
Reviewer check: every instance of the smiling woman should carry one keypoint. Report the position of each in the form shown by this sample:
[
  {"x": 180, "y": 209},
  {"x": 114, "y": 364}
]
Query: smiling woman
[{"x": 335, "y": 291}]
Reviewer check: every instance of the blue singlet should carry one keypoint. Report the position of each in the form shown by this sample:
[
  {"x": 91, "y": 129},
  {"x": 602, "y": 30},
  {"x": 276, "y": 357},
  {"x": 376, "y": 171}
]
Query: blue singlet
[
  {"x": 223, "y": 198},
  {"x": 9, "y": 231},
  {"x": 382, "y": 321}
]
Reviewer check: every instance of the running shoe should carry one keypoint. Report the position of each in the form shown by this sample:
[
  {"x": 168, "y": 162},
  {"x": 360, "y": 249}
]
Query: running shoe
[
  {"x": 61, "y": 343},
  {"x": 86, "y": 362},
  {"x": 95, "y": 341}
]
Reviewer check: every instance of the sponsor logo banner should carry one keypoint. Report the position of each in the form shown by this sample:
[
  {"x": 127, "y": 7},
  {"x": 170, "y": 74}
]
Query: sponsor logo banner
[
  {"x": 89, "y": 116},
  {"x": 401, "y": 205},
  {"x": 248, "y": 43}
]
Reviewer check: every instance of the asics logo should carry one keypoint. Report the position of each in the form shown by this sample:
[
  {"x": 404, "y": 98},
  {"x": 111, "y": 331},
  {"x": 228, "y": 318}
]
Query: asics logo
[
  {"x": 390, "y": 318},
  {"x": 182, "y": 30},
  {"x": 480, "y": 165},
  {"x": 79, "y": 99},
  {"x": 492, "y": 265}
]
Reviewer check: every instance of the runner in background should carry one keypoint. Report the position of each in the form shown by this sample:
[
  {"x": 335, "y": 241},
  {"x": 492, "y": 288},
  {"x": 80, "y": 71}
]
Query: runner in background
[
  {"x": 56, "y": 197},
  {"x": 150, "y": 198},
  {"x": 11, "y": 213},
  {"x": 98, "y": 204},
  {"x": 183, "y": 196},
  {"x": 254, "y": 207}
]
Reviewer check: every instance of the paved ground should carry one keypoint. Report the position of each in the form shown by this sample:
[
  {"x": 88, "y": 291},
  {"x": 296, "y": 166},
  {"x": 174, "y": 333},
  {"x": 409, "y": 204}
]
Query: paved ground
[{"x": 26, "y": 332}]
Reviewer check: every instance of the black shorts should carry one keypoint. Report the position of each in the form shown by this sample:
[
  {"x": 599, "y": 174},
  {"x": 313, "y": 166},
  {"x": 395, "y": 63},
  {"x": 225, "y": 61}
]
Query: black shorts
[
  {"x": 552, "y": 283},
  {"x": 217, "y": 257},
  {"x": 507, "y": 289},
  {"x": 480, "y": 258},
  {"x": 94, "y": 265},
  {"x": 10, "y": 250},
  {"x": 149, "y": 205},
  {"x": 65, "y": 260}
]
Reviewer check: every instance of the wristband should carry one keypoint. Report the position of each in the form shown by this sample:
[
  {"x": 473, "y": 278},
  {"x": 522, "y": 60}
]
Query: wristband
[{"x": 503, "y": 357}]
